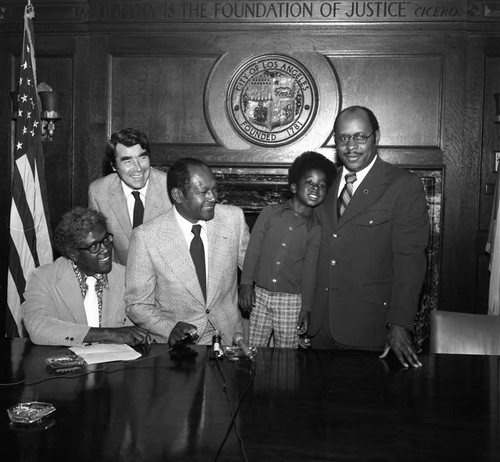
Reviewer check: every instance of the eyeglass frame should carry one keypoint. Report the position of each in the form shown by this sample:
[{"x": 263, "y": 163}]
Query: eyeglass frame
[
  {"x": 352, "y": 137},
  {"x": 99, "y": 244}
]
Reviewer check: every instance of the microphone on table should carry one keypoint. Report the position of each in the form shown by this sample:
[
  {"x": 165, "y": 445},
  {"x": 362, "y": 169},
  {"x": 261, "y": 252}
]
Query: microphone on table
[
  {"x": 239, "y": 341},
  {"x": 216, "y": 341},
  {"x": 180, "y": 348}
]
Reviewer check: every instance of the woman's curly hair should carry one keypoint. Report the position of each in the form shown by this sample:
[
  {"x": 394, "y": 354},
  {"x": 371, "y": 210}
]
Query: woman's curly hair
[{"x": 74, "y": 226}]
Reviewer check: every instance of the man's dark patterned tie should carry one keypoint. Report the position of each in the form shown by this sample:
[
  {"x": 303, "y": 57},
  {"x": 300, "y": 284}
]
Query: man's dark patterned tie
[
  {"x": 138, "y": 209},
  {"x": 198, "y": 255}
]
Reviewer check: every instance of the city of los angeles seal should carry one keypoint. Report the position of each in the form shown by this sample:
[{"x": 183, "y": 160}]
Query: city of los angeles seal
[{"x": 271, "y": 100}]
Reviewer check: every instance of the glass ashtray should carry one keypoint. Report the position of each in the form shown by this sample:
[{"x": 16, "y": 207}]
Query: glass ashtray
[
  {"x": 28, "y": 413},
  {"x": 235, "y": 353},
  {"x": 65, "y": 361}
]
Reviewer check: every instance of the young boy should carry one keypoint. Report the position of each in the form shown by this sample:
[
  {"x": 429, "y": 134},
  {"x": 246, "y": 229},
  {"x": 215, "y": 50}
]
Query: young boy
[{"x": 282, "y": 255}]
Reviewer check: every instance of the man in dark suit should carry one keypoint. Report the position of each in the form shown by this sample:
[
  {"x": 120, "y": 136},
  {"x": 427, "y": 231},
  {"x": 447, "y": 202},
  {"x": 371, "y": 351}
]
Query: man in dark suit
[
  {"x": 375, "y": 229},
  {"x": 135, "y": 194}
]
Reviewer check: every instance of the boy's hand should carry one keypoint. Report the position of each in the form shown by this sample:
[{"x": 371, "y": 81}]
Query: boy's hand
[
  {"x": 246, "y": 298},
  {"x": 303, "y": 323},
  {"x": 304, "y": 342}
]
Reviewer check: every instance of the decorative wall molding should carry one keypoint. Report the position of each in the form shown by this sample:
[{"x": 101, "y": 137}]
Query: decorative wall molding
[{"x": 247, "y": 11}]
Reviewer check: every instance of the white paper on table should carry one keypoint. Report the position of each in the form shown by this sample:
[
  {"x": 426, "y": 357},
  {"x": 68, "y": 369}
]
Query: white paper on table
[{"x": 105, "y": 352}]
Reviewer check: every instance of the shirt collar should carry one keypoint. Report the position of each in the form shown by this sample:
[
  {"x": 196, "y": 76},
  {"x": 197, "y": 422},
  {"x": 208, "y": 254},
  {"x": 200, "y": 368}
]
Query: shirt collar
[
  {"x": 186, "y": 225},
  {"x": 360, "y": 176},
  {"x": 308, "y": 216},
  {"x": 127, "y": 190},
  {"x": 81, "y": 277}
]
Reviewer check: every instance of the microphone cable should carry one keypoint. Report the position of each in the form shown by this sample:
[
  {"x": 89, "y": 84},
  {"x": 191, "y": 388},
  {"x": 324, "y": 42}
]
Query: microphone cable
[{"x": 235, "y": 413}]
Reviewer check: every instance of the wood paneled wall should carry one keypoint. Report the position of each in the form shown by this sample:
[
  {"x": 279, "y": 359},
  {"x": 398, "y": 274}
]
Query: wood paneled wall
[{"x": 426, "y": 68}]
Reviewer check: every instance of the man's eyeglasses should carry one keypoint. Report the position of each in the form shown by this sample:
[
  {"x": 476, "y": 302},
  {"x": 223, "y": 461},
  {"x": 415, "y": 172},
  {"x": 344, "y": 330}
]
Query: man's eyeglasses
[
  {"x": 359, "y": 138},
  {"x": 96, "y": 246}
]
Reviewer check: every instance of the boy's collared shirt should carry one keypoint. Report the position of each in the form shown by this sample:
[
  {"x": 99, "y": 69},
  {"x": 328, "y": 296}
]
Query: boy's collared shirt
[{"x": 283, "y": 251}]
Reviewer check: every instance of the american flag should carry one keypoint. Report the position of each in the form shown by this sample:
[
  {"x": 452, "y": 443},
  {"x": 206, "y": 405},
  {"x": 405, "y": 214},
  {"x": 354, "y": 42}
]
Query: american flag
[{"x": 30, "y": 244}]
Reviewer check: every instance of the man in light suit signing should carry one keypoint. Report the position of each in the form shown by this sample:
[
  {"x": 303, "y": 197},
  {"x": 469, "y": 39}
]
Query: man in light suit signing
[
  {"x": 79, "y": 298},
  {"x": 375, "y": 229},
  {"x": 134, "y": 194},
  {"x": 182, "y": 267}
]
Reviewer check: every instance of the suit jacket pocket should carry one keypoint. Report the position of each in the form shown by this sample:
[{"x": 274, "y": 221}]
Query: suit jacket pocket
[
  {"x": 373, "y": 217},
  {"x": 122, "y": 320},
  {"x": 378, "y": 293}
]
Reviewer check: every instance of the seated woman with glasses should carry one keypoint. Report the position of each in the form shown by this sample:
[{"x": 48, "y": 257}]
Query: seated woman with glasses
[{"x": 78, "y": 299}]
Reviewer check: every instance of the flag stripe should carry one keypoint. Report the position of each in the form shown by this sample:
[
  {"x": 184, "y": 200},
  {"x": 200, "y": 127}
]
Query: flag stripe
[
  {"x": 15, "y": 271},
  {"x": 26, "y": 258},
  {"x": 11, "y": 329},
  {"x": 43, "y": 242},
  {"x": 22, "y": 225},
  {"x": 16, "y": 284}
]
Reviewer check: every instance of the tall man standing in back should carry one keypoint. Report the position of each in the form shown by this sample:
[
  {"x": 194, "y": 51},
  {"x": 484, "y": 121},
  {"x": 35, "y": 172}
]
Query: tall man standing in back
[
  {"x": 182, "y": 271},
  {"x": 375, "y": 229},
  {"x": 135, "y": 194}
]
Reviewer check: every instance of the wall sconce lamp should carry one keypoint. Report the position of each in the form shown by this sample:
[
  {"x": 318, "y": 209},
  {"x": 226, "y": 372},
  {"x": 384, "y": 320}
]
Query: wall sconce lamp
[
  {"x": 496, "y": 119},
  {"x": 50, "y": 103},
  {"x": 50, "y": 112}
]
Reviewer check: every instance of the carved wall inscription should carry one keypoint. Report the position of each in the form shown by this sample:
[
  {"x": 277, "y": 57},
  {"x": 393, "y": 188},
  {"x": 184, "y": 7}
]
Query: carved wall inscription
[{"x": 265, "y": 11}]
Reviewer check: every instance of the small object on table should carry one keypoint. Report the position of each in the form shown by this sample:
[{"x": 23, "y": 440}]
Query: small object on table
[
  {"x": 28, "y": 413},
  {"x": 65, "y": 363},
  {"x": 236, "y": 353}
]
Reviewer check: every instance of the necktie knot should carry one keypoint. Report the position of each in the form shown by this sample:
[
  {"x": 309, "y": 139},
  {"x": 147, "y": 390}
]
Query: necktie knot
[
  {"x": 90, "y": 281},
  {"x": 350, "y": 178},
  {"x": 136, "y": 194},
  {"x": 196, "y": 230}
]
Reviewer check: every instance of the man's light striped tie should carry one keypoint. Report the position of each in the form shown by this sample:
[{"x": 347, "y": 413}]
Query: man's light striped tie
[{"x": 346, "y": 194}]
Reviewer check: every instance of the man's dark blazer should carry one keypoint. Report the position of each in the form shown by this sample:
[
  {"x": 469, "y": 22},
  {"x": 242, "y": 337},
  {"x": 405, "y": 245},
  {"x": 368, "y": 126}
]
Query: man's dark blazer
[{"x": 372, "y": 261}]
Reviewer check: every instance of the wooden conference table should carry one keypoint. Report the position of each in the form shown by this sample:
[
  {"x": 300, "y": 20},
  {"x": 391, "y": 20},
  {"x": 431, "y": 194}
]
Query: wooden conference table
[{"x": 289, "y": 406}]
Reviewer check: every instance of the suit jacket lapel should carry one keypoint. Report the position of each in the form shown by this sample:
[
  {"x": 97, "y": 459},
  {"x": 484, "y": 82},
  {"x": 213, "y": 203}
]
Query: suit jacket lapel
[
  {"x": 153, "y": 197},
  {"x": 366, "y": 193},
  {"x": 217, "y": 243},
  {"x": 69, "y": 291},
  {"x": 173, "y": 250},
  {"x": 110, "y": 300},
  {"x": 330, "y": 204},
  {"x": 118, "y": 204}
]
